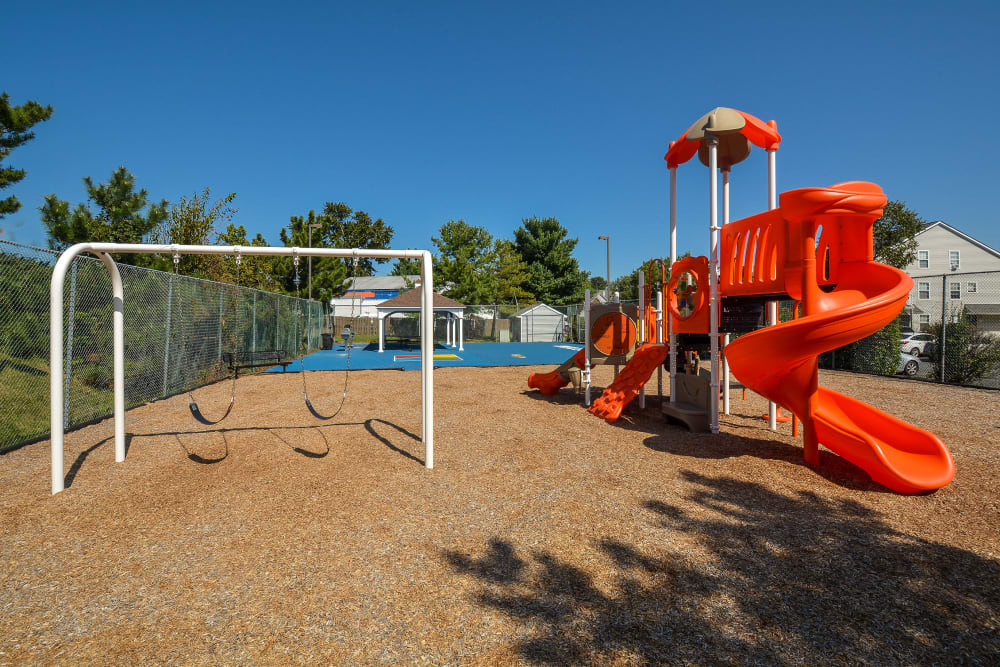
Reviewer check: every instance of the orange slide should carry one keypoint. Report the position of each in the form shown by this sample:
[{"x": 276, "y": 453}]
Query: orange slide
[
  {"x": 628, "y": 383},
  {"x": 550, "y": 383},
  {"x": 779, "y": 363}
]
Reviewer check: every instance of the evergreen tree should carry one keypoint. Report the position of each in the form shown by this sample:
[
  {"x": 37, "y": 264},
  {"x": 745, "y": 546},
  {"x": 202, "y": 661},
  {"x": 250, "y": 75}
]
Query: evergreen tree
[
  {"x": 554, "y": 274},
  {"x": 509, "y": 273},
  {"x": 466, "y": 254},
  {"x": 15, "y": 130},
  {"x": 121, "y": 214}
]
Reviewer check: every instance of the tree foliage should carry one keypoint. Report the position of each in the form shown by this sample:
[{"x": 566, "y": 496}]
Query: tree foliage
[
  {"x": 464, "y": 262},
  {"x": 195, "y": 220},
  {"x": 554, "y": 274},
  {"x": 509, "y": 273},
  {"x": 15, "y": 130},
  {"x": 120, "y": 215},
  {"x": 339, "y": 227},
  {"x": 894, "y": 233},
  {"x": 969, "y": 354}
]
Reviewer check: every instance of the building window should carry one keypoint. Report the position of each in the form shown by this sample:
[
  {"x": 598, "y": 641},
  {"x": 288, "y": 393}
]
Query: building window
[
  {"x": 924, "y": 290},
  {"x": 971, "y": 288},
  {"x": 924, "y": 258},
  {"x": 925, "y": 322},
  {"x": 956, "y": 290},
  {"x": 955, "y": 259}
]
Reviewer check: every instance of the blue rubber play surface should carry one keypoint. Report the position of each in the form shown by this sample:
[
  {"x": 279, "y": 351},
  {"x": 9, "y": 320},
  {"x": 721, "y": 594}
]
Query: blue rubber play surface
[{"x": 474, "y": 354}]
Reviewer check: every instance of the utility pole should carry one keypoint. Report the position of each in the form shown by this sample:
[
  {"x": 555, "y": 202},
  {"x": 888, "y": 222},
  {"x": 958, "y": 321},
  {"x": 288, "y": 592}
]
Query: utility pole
[{"x": 607, "y": 290}]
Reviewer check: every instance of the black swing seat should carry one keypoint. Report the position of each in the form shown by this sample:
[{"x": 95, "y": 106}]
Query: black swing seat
[{"x": 255, "y": 359}]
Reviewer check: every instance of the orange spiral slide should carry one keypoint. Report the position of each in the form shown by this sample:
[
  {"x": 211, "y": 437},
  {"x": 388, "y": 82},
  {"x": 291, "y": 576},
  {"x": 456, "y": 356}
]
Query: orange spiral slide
[{"x": 779, "y": 362}]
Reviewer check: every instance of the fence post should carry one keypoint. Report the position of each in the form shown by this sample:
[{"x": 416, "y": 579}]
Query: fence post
[
  {"x": 221, "y": 292},
  {"x": 166, "y": 343},
  {"x": 69, "y": 343},
  {"x": 944, "y": 321},
  {"x": 253, "y": 343}
]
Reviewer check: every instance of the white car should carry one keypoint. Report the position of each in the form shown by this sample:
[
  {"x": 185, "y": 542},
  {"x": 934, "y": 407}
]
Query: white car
[
  {"x": 917, "y": 344},
  {"x": 908, "y": 365}
]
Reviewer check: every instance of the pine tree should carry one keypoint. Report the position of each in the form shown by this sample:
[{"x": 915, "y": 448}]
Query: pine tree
[{"x": 15, "y": 130}]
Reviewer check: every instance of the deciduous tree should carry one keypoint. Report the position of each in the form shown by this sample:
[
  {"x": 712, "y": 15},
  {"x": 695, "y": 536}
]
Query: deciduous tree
[{"x": 894, "y": 233}]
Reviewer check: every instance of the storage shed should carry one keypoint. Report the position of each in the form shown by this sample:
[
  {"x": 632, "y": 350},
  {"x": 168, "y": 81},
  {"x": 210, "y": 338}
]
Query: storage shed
[{"x": 539, "y": 323}]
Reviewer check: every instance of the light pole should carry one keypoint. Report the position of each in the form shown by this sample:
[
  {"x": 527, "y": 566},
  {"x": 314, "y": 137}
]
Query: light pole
[
  {"x": 312, "y": 226},
  {"x": 607, "y": 289}
]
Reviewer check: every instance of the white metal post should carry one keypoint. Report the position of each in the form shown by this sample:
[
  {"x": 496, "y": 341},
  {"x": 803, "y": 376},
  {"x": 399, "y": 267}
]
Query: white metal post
[
  {"x": 586, "y": 348},
  {"x": 427, "y": 355},
  {"x": 772, "y": 306},
  {"x": 659, "y": 339},
  {"x": 461, "y": 333},
  {"x": 665, "y": 319},
  {"x": 713, "y": 282},
  {"x": 642, "y": 327},
  {"x": 725, "y": 362}
]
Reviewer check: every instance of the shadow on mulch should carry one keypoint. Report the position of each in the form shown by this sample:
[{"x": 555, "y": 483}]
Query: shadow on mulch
[
  {"x": 414, "y": 439},
  {"x": 784, "y": 579}
]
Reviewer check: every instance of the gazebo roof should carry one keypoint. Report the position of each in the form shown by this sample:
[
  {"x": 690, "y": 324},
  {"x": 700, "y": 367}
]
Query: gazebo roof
[{"x": 411, "y": 299}]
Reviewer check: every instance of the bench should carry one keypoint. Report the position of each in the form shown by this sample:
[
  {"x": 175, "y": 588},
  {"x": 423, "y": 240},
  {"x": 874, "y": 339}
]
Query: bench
[
  {"x": 254, "y": 359},
  {"x": 693, "y": 403},
  {"x": 403, "y": 340}
]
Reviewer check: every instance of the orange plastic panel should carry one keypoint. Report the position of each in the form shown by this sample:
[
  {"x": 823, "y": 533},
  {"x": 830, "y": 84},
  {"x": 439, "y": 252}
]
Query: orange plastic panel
[
  {"x": 754, "y": 254},
  {"x": 613, "y": 333},
  {"x": 688, "y": 304}
]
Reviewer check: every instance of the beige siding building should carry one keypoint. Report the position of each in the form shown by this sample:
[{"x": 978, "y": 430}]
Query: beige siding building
[{"x": 953, "y": 271}]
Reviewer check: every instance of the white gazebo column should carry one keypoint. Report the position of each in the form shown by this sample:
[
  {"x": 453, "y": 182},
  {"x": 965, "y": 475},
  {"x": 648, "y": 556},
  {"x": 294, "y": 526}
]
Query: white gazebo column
[
  {"x": 461, "y": 333},
  {"x": 381, "y": 332}
]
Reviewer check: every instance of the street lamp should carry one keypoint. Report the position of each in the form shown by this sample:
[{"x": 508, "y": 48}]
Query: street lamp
[
  {"x": 607, "y": 289},
  {"x": 312, "y": 226}
]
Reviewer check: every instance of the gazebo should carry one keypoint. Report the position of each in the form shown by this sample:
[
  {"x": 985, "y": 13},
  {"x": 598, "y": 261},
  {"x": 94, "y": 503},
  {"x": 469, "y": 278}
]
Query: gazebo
[{"x": 409, "y": 302}]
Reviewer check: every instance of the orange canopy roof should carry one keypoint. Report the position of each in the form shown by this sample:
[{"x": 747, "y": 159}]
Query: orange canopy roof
[{"x": 754, "y": 129}]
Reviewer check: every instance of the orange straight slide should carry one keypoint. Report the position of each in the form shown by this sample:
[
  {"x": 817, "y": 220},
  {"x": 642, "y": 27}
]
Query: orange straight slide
[
  {"x": 630, "y": 380},
  {"x": 779, "y": 363},
  {"x": 550, "y": 383}
]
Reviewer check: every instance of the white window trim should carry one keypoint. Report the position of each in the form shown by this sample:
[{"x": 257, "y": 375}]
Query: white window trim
[
  {"x": 951, "y": 290},
  {"x": 971, "y": 287},
  {"x": 921, "y": 290},
  {"x": 923, "y": 320},
  {"x": 958, "y": 263},
  {"x": 926, "y": 258}
]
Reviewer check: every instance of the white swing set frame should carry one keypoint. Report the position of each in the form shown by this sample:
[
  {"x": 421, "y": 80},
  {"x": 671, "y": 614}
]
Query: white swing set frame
[{"x": 103, "y": 252}]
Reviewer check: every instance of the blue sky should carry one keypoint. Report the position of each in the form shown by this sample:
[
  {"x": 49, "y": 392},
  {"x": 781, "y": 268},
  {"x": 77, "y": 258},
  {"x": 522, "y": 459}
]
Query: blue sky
[{"x": 491, "y": 112}]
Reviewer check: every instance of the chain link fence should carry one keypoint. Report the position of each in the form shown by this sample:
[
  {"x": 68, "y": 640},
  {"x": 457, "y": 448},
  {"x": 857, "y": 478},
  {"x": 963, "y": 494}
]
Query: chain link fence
[
  {"x": 948, "y": 332},
  {"x": 177, "y": 329}
]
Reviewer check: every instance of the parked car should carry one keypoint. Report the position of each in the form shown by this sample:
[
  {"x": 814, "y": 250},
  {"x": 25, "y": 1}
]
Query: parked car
[
  {"x": 908, "y": 365},
  {"x": 918, "y": 344}
]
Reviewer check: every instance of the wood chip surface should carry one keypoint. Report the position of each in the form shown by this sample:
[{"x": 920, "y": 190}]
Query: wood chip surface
[{"x": 542, "y": 535}]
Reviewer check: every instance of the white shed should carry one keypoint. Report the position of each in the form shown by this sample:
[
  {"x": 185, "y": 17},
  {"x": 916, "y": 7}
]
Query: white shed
[{"x": 539, "y": 323}]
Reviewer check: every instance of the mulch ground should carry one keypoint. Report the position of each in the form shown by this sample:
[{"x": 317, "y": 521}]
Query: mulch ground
[{"x": 542, "y": 534}]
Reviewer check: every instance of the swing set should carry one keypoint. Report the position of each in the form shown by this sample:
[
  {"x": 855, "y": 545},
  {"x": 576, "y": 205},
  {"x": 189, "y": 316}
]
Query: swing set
[{"x": 103, "y": 252}]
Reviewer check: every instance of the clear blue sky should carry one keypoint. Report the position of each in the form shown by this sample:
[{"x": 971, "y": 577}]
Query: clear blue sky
[{"x": 421, "y": 112}]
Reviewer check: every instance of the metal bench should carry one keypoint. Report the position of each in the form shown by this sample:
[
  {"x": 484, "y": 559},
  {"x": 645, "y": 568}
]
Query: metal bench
[
  {"x": 255, "y": 359},
  {"x": 403, "y": 340}
]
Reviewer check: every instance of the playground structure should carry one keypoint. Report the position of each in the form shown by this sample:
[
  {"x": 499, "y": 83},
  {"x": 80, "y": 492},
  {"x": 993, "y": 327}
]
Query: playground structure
[
  {"x": 104, "y": 250},
  {"x": 816, "y": 249}
]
